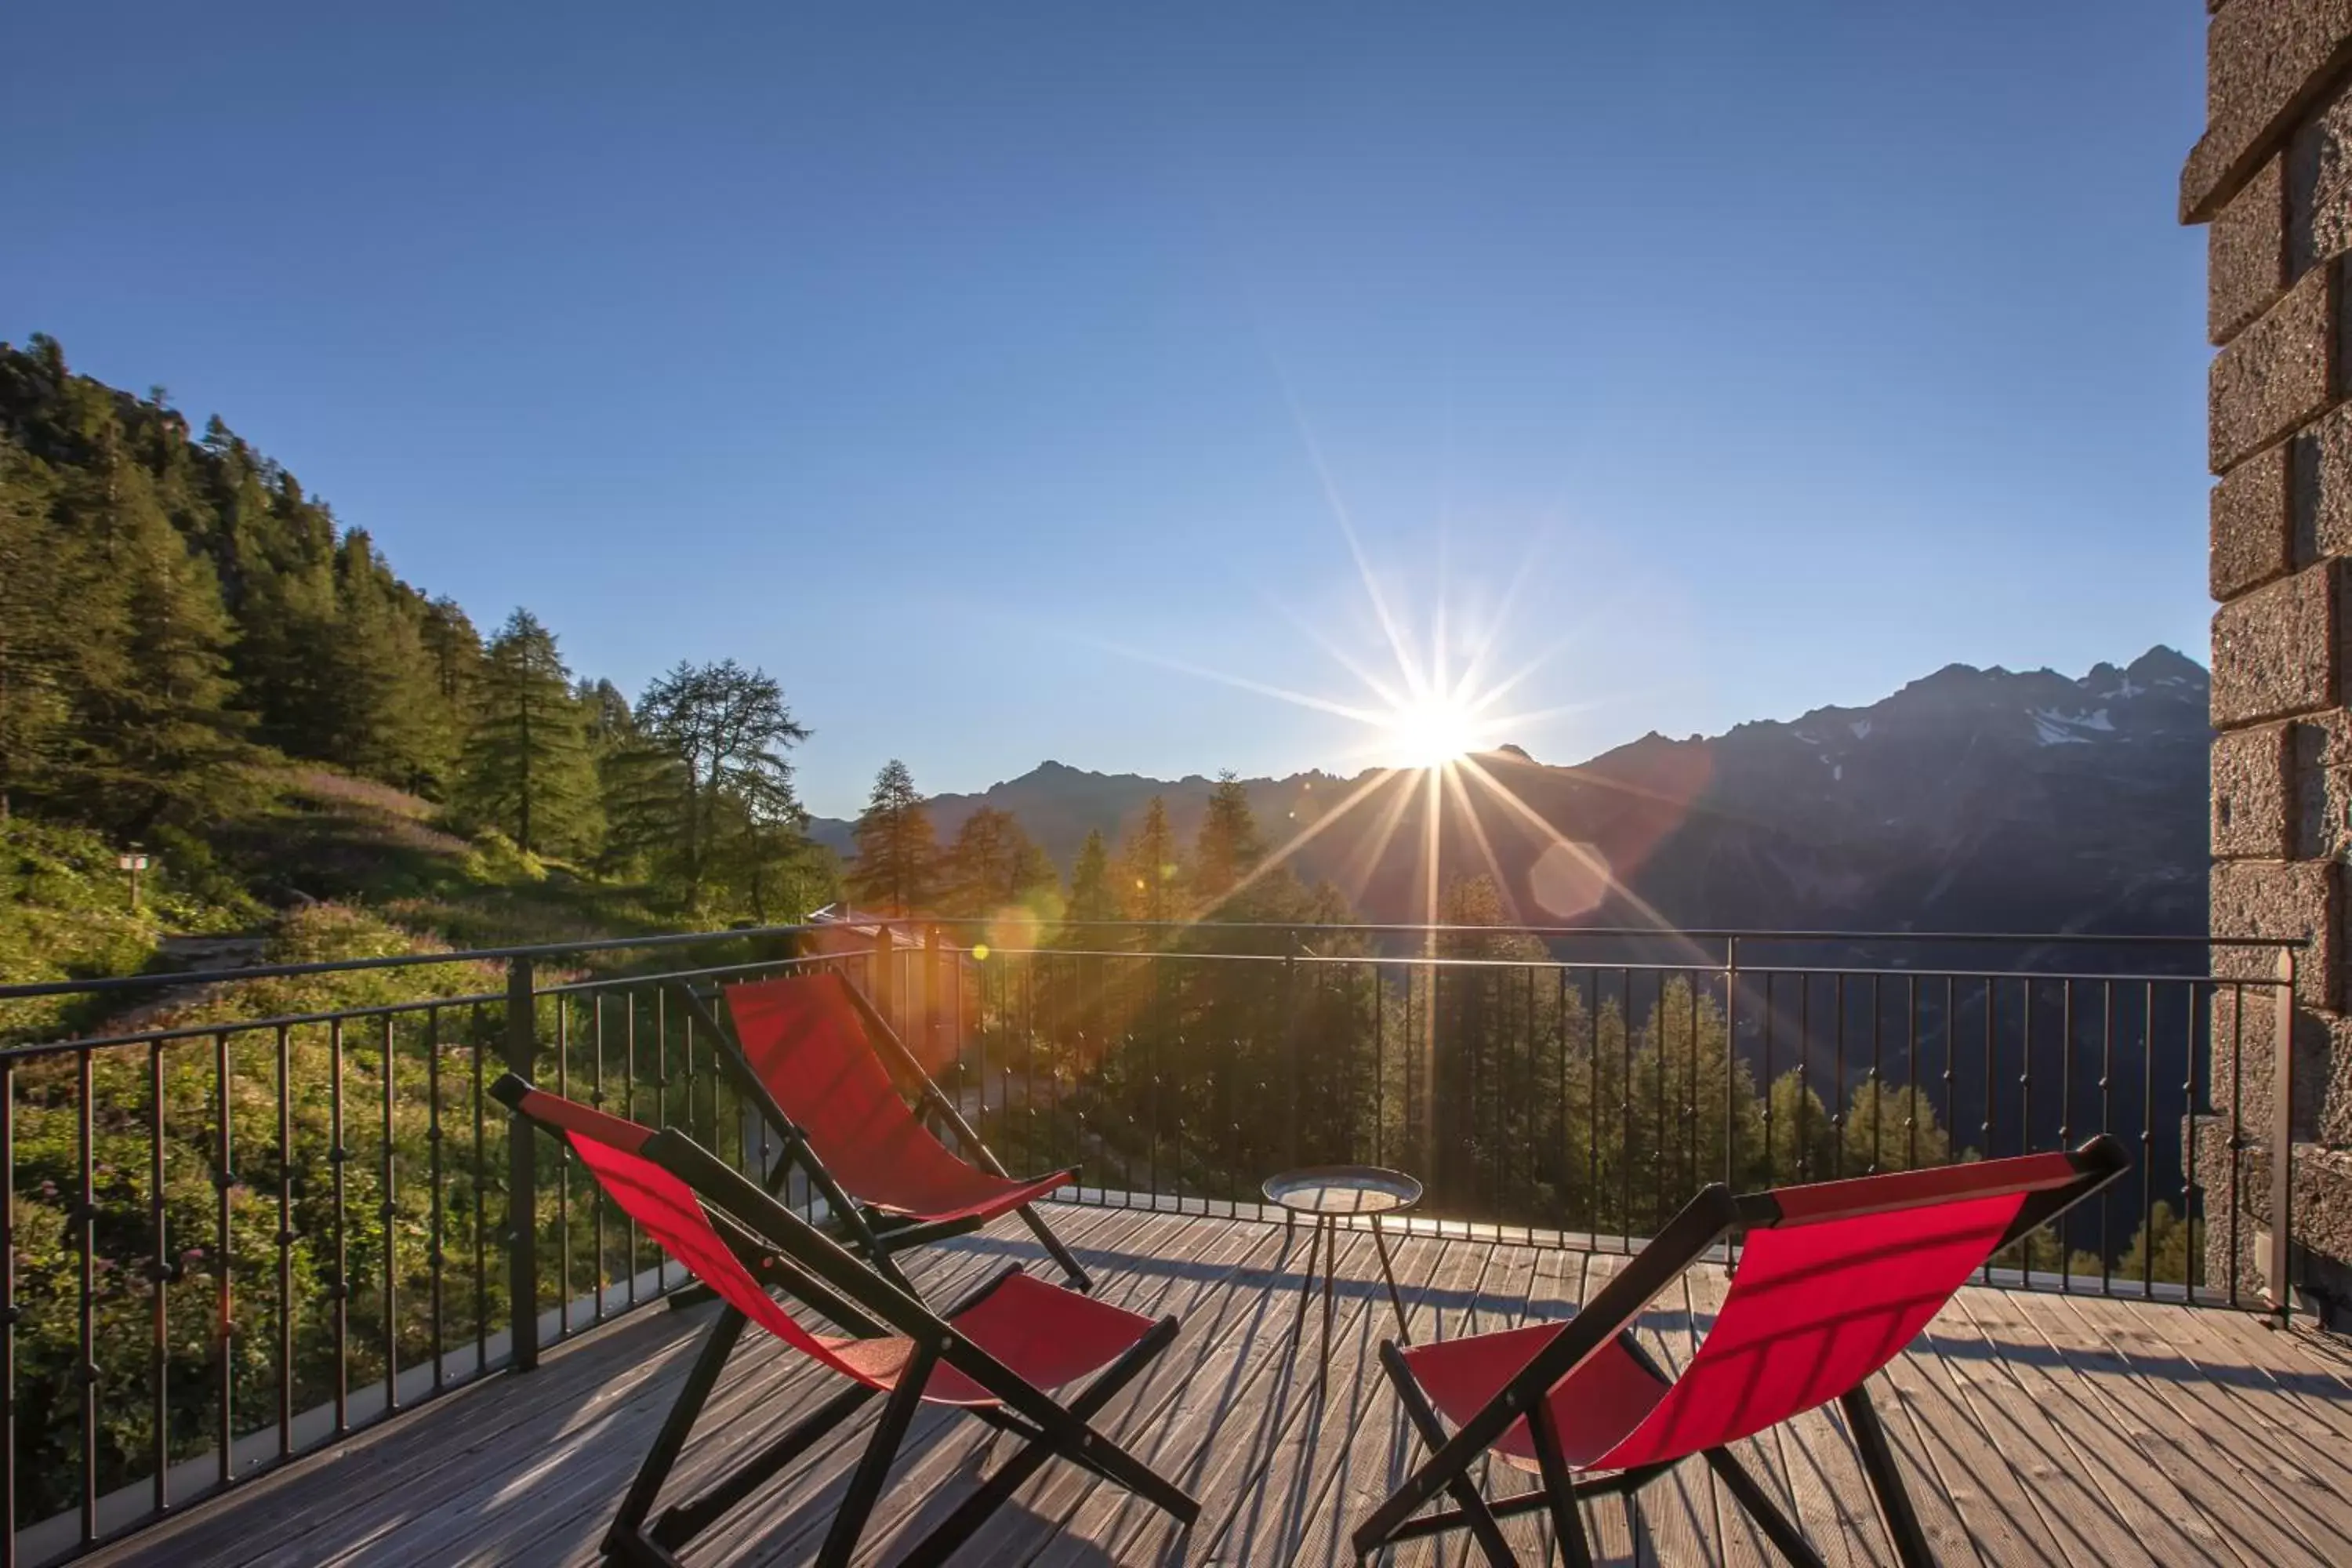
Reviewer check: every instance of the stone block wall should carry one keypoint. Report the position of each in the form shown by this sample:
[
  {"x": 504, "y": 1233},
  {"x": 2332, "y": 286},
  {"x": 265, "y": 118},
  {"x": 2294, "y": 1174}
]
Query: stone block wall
[{"x": 2272, "y": 178}]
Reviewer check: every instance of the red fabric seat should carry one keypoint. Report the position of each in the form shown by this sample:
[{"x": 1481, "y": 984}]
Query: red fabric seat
[
  {"x": 1605, "y": 1398},
  {"x": 804, "y": 1038},
  {"x": 1814, "y": 1309},
  {"x": 996, "y": 1355},
  {"x": 1047, "y": 1334},
  {"x": 1833, "y": 1280}
]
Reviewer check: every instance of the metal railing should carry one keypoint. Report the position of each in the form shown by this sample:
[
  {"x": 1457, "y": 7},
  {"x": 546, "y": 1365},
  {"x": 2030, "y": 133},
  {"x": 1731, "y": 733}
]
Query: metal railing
[
  {"x": 238, "y": 1231},
  {"x": 1561, "y": 1094}
]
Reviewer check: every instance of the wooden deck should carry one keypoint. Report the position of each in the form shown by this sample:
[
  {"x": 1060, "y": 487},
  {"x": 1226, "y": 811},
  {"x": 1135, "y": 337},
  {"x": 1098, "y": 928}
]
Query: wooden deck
[{"x": 2034, "y": 1428}]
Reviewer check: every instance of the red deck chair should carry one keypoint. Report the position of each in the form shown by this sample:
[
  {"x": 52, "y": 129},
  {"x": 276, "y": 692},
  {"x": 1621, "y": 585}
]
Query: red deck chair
[
  {"x": 993, "y": 1353},
  {"x": 817, "y": 1060},
  {"x": 1833, "y": 1280}
]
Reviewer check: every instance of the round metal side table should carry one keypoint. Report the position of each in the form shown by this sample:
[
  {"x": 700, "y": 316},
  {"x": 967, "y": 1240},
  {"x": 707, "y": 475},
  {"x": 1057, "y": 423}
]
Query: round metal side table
[{"x": 1327, "y": 1194}]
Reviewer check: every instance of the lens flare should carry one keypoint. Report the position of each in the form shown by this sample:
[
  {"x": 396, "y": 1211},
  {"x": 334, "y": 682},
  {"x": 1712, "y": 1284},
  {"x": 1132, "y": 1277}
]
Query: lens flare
[{"x": 1431, "y": 732}]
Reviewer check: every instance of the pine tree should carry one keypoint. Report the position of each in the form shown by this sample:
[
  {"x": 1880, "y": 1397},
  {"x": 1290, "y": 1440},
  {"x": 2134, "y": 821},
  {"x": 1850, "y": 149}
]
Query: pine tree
[
  {"x": 993, "y": 865},
  {"x": 152, "y": 729},
  {"x": 1149, "y": 868},
  {"x": 278, "y": 579},
  {"x": 1092, "y": 900},
  {"x": 381, "y": 712},
  {"x": 1892, "y": 1127},
  {"x": 454, "y": 650},
  {"x": 37, "y": 655},
  {"x": 896, "y": 854},
  {"x": 726, "y": 730},
  {"x": 527, "y": 770},
  {"x": 1802, "y": 1142},
  {"x": 1227, "y": 849},
  {"x": 2166, "y": 1250}
]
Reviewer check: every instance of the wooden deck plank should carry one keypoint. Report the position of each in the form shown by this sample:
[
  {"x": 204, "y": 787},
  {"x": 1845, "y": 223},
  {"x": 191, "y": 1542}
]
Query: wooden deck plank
[
  {"x": 1613, "y": 1524},
  {"x": 1726, "y": 1534},
  {"x": 1188, "y": 1429},
  {"x": 1050, "y": 1516},
  {"x": 2294, "y": 1477},
  {"x": 1252, "y": 1507},
  {"x": 2315, "y": 1397},
  {"x": 1676, "y": 1512},
  {"x": 1221, "y": 1377},
  {"x": 1185, "y": 1278},
  {"x": 1363, "y": 1437},
  {"x": 785, "y": 1521},
  {"x": 2041, "y": 1489},
  {"x": 1709, "y": 1285},
  {"x": 2168, "y": 1437},
  {"x": 555, "y": 1508},
  {"x": 2031, "y": 1428},
  {"x": 2155, "y": 1520}
]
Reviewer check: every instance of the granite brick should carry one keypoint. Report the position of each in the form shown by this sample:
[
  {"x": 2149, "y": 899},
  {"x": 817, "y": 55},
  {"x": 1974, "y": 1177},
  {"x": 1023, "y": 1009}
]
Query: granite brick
[
  {"x": 2319, "y": 786},
  {"x": 2244, "y": 1066},
  {"x": 2317, "y": 185},
  {"x": 2251, "y": 522},
  {"x": 2246, "y": 253},
  {"x": 2275, "y": 650},
  {"x": 2319, "y": 491},
  {"x": 2295, "y": 898},
  {"x": 2276, "y": 374},
  {"x": 2254, "y": 801},
  {"x": 2265, "y": 61}
]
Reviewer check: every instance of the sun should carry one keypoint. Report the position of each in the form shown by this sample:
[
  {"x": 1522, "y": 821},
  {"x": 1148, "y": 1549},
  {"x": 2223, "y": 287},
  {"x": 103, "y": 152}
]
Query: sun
[{"x": 1432, "y": 731}]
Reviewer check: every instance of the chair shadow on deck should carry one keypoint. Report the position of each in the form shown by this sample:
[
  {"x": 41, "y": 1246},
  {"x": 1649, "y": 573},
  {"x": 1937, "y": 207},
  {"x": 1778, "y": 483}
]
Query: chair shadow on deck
[{"x": 528, "y": 1471}]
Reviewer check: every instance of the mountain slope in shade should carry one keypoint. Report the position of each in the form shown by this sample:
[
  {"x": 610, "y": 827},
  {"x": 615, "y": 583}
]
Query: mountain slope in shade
[{"x": 1969, "y": 799}]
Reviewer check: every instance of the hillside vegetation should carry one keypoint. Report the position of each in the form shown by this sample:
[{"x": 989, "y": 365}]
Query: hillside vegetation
[{"x": 197, "y": 658}]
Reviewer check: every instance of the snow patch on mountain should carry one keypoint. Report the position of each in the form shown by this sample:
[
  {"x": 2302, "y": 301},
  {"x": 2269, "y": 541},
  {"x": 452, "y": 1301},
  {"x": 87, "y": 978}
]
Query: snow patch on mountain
[
  {"x": 2047, "y": 719},
  {"x": 2049, "y": 731}
]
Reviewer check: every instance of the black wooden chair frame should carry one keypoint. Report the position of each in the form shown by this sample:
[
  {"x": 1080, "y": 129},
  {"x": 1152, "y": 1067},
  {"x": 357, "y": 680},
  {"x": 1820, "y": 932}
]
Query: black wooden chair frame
[
  {"x": 874, "y": 1233},
  {"x": 1712, "y": 1218},
  {"x": 784, "y": 1251}
]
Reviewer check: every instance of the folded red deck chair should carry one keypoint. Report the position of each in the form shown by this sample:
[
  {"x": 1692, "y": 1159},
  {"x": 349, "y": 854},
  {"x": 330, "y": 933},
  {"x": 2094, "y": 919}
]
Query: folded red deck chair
[
  {"x": 817, "y": 1060},
  {"x": 1832, "y": 1281},
  {"x": 993, "y": 1353}
]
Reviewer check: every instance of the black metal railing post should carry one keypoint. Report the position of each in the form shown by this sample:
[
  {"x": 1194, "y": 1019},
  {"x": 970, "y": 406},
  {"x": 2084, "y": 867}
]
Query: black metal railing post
[
  {"x": 2282, "y": 1204},
  {"x": 523, "y": 1175},
  {"x": 880, "y": 988},
  {"x": 933, "y": 988},
  {"x": 1731, "y": 1062},
  {"x": 1290, "y": 1010}
]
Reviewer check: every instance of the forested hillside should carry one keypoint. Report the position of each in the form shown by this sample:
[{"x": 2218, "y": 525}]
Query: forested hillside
[{"x": 198, "y": 657}]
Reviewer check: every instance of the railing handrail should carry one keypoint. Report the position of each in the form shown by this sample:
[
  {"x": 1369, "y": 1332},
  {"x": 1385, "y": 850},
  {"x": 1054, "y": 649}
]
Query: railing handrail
[
  {"x": 161, "y": 979},
  {"x": 177, "y": 977}
]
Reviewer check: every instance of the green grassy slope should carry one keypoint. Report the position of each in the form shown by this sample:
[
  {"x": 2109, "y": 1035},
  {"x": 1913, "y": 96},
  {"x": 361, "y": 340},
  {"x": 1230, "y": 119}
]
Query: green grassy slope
[{"x": 316, "y": 865}]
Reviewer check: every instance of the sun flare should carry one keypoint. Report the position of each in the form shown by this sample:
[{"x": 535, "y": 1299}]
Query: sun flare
[{"x": 1432, "y": 731}]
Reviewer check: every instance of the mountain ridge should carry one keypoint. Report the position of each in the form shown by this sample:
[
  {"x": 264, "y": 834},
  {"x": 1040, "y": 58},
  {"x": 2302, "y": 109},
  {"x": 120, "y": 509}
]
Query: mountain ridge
[{"x": 1967, "y": 798}]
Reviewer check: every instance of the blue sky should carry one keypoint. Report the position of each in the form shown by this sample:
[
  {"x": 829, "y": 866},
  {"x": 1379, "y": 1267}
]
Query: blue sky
[{"x": 968, "y": 368}]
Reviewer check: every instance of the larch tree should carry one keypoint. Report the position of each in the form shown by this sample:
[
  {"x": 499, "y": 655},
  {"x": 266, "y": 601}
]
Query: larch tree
[
  {"x": 992, "y": 864},
  {"x": 1092, "y": 900},
  {"x": 37, "y": 647},
  {"x": 728, "y": 731},
  {"x": 527, "y": 770},
  {"x": 382, "y": 711},
  {"x": 1227, "y": 849},
  {"x": 897, "y": 857},
  {"x": 1150, "y": 869}
]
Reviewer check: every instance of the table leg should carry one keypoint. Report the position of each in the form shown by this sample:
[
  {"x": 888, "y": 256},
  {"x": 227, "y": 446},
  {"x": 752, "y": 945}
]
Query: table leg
[
  {"x": 1380, "y": 1244},
  {"x": 1305, "y": 1288},
  {"x": 1330, "y": 1267}
]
